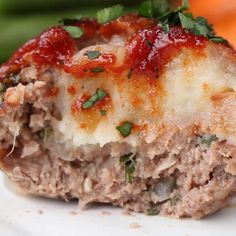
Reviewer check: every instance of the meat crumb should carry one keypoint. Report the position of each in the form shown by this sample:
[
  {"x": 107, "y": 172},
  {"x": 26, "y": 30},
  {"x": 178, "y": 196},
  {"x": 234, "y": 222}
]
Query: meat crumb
[{"x": 134, "y": 225}]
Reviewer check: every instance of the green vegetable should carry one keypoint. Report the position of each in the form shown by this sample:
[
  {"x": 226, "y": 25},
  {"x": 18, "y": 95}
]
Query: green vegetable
[
  {"x": 98, "y": 69},
  {"x": 128, "y": 162},
  {"x": 32, "y": 6},
  {"x": 147, "y": 9},
  {"x": 208, "y": 139},
  {"x": 75, "y": 31},
  {"x": 46, "y": 132},
  {"x": 93, "y": 54},
  {"x": 111, "y": 13},
  {"x": 98, "y": 96},
  {"x": 125, "y": 128},
  {"x": 16, "y": 30},
  {"x": 152, "y": 212},
  {"x": 154, "y": 8}
]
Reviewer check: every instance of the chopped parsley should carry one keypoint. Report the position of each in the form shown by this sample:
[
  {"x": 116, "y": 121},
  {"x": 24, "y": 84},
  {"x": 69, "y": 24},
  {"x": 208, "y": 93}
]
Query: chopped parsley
[
  {"x": 129, "y": 163},
  {"x": 75, "y": 31},
  {"x": 108, "y": 14},
  {"x": 208, "y": 139},
  {"x": 153, "y": 8},
  {"x": 93, "y": 54},
  {"x": 152, "y": 212},
  {"x": 46, "y": 132},
  {"x": 103, "y": 112},
  {"x": 125, "y": 128},
  {"x": 98, "y": 69},
  {"x": 160, "y": 10},
  {"x": 175, "y": 199},
  {"x": 98, "y": 96}
]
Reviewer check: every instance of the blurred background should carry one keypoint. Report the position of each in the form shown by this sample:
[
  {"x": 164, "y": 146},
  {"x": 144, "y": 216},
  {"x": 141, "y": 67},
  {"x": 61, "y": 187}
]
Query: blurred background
[{"x": 21, "y": 20}]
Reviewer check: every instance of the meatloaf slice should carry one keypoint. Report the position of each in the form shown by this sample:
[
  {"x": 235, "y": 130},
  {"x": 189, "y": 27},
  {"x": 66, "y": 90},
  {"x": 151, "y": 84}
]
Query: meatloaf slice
[{"x": 128, "y": 114}]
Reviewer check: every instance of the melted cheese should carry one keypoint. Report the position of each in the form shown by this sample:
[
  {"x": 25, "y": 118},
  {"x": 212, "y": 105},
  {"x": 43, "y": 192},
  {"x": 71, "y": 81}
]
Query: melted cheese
[{"x": 182, "y": 95}]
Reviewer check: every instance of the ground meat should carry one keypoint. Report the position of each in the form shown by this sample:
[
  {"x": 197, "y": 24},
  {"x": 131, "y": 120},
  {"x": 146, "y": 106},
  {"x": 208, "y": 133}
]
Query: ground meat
[
  {"x": 171, "y": 162},
  {"x": 176, "y": 175}
]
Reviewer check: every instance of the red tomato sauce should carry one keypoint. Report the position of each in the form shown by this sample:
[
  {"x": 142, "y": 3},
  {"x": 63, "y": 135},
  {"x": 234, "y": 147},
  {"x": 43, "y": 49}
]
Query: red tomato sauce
[
  {"x": 53, "y": 47},
  {"x": 150, "y": 49},
  {"x": 86, "y": 68}
]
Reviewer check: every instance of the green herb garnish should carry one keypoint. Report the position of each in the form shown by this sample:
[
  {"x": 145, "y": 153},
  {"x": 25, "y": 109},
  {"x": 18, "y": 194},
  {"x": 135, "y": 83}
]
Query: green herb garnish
[
  {"x": 208, "y": 139},
  {"x": 160, "y": 10},
  {"x": 175, "y": 199},
  {"x": 152, "y": 212},
  {"x": 75, "y": 31},
  {"x": 93, "y": 54},
  {"x": 108, "y": 14},
  {"x": 46, "y": 132},
  {"x": 98, "y": 69},
  {"x": 125, "y": 128},
  {"x": 154, "y": 8},
  {"x": 128, "y": 162},
  {"x": 103, "y": 112},
  {"x": 98, "y": 96}
]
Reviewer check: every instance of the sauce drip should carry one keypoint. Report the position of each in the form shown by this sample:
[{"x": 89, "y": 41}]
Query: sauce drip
[
  {"x": 86, "y": 68},
  {"x": 53, "y": 47},
  {"x": 150, "y": 49}
]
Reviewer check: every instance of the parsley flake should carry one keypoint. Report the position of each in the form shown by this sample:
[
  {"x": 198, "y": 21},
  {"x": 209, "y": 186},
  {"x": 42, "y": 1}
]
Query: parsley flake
[
  {"x": 92, "y": 54},
  {"x": 103, "y": 112},
  {"x": 129, "y": 163},
  {"x": 98, "y": 96},
  {"x": 208, "y": 139},
  {"x": 166, "y": 17},
  {"x": 75, "y": 31},
  {"x": 45, "y": 133},
  {"x": 152, "y": 212},
  {"x": 98, "y": 69},
  {"x": 125, "y": 128},
  {"x": 108, "y": 14}
]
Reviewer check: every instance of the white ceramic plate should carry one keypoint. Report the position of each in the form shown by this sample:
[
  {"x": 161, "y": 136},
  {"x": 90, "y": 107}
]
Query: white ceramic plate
[{"x": 27, "y": 216}]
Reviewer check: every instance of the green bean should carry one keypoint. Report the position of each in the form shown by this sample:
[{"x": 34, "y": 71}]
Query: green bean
[
  {"x": 26, "y": 6},
  {"x": 17, "y": 30}
]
